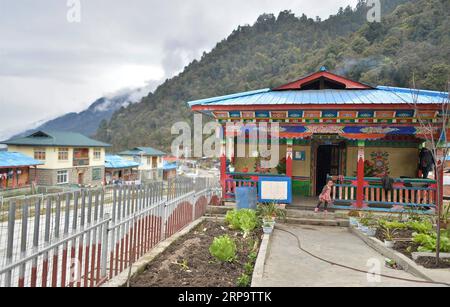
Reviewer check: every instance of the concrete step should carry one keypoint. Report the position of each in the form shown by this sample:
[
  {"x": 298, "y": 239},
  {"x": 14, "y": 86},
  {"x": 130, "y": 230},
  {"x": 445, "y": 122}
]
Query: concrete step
[
  {"x": 219, "y": 210},
  {"x": 294, "y": 213},
  {"x": 318, "y": 222}
]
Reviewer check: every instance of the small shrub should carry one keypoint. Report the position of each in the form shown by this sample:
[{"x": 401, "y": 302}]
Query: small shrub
[
  {"x": 243, "y": 280},
  {"x": 420, "y": 227},
  {"x": 223, "y": 249},
  {"x": 393, "y": 225},
  {"x": 232, "y": 219},
  {"x": 248, "y": 268},
  {"x": 428, "y": 242},
  {"x": 252, "y": 256},
  {"x": 244, "y": 220}
]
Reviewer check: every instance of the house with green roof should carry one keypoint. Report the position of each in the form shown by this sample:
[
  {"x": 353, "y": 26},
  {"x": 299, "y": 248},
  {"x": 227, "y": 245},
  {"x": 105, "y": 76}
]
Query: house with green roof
[
  {"x": 150, "y": 161},
  {"x": 65, "y": 157}
]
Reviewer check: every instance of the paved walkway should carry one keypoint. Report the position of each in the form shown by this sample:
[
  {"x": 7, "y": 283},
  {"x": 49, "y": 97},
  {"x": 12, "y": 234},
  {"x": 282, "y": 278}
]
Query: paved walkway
[{"x": 287, "y": 266}]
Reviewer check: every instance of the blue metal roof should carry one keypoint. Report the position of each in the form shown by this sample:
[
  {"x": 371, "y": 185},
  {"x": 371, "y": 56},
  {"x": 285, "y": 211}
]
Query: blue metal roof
[
  {"x": 169, "y": 166},
  {"x": 15, "y": 159},
  {"x": 144, "y": 151},
  {"x": 112, "y": 161},
  {"x": 380, "y": 95}
]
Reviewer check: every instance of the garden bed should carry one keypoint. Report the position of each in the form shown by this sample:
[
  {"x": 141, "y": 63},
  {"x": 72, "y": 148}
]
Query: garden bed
[
  {"x": 188, "y": 262},
  {"x": 430, "y": 263},
  {"x": 410, "y": 236}
]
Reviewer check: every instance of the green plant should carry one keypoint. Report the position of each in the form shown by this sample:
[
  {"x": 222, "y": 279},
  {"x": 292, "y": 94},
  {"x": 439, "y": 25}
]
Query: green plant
[
  {"x": 248, "y": 221},
  {"x": 244, "y": 220},
  {"x": 392, "y": 225},
  {"x": 270, "y": 211},
  {"x": 232, "y": 219},
  {"x": 183, "y": 265},
  {"x": 223, "y": 249},
  {"x": 248, "y": 268},
  {"x": 428, "y": 242},
  {"x": 368, "y": 220},
  {"x": 389, "y": 233},
  {"x": 243, "y": 280},
  {"x": 252, "y": 256},
  {"x": 420, "y": 226}
]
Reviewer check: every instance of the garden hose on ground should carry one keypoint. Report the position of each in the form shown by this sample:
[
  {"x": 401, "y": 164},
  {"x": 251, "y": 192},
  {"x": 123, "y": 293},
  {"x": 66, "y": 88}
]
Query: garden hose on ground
[{"x": 355, "y": 269}]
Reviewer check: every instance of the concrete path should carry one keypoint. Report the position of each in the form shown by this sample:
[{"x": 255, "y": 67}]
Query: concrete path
[{"x": 287, "y": 266}]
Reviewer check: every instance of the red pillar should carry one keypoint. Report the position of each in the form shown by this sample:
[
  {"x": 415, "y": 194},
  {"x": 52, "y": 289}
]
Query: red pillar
[
  {"x": 360, "y": 176},
  {"x": 223, "y": 164},
  {"x": 289, "y": 154}
]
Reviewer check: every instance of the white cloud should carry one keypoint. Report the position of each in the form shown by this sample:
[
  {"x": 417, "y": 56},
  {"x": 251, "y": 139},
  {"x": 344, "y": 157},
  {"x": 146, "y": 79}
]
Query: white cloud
[{"x": 49, "y": 66}]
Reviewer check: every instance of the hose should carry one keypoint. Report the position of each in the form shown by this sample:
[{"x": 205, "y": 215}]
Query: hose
[{"x": 299, "y": 244}]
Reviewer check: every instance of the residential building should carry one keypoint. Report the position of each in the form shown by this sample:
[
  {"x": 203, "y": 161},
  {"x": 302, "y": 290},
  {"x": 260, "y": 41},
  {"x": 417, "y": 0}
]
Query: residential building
[
  {"x": 66, "y": 157},
  {"x": 16, "y": 169},
  {"x": 330, "y": 127},
  {"x": 150, "y": 162},
  {"x": 120, "y": 170}
]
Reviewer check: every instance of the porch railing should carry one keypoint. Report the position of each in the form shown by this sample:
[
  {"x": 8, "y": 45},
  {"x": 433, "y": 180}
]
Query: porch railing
[{"x": 406, "y": 194}]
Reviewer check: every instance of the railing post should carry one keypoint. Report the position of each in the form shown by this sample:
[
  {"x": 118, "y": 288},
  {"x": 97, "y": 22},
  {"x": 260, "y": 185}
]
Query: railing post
[
  {"x": 10, "y": 241},
  {"x": 360, "y": 175},
  {"x": 105, "y": 247}
]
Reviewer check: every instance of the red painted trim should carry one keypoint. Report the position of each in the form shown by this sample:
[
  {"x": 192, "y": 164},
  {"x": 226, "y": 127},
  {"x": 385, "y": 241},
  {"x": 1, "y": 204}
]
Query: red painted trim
[
  {"x": 223, "y": 170},
  {"x": 296, "y": 85},
  {"x": 360, "y": 178},
  {"x": 289, "y": 167},
  {"x": 287, "y": 107}
]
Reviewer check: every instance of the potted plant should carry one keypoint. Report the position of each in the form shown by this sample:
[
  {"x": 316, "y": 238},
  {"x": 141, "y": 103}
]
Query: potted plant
[
  {"x": 268, "y": 227},
  {"x": 270, "y": 212},
  {"x": 371, "y": 229},
  {"x": 389, "y": 235},
  {"x": 353, "y": 217}
]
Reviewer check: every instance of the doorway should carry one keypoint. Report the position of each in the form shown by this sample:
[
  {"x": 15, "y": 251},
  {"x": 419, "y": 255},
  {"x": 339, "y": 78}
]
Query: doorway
[
  {"x": 80, "y": 178},
  {"x": 327, "y": 163}
]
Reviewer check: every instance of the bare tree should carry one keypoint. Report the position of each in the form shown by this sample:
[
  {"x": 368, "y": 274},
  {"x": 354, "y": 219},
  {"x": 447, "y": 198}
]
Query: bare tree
[{"x": 434, "y": 130}]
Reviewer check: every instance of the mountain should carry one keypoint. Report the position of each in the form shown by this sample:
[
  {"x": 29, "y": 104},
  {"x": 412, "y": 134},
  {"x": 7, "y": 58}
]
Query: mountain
[
  {"x": 411, "y": 41},
  {"x": 87, "y": 122}
]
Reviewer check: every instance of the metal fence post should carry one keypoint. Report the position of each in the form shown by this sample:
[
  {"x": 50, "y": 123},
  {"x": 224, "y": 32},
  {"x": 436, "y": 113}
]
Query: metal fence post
[
  {"x": 105, "y": 247},
  {"x": 10, "y": 242}
]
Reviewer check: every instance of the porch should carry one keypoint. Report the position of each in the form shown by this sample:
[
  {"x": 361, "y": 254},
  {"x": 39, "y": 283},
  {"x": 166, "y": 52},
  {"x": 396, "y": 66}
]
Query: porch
[{"x": 406, "y": 195}]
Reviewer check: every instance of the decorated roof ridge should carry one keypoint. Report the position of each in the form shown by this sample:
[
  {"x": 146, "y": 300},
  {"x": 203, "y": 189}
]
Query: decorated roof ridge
[
  {"x": 405, "y": 90},
  {"x": 323, "y": 73}
]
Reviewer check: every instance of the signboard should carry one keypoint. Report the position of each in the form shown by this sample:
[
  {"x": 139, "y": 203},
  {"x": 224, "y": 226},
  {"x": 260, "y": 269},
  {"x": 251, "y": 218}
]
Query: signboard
[
  {"x": 300, "y": 155},
  {"x": 275, "y": 189}
]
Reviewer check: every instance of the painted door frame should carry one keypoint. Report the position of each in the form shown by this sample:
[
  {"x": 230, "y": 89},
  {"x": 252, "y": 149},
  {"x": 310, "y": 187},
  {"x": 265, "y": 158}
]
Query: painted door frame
[{"x": 315, "y": 143}]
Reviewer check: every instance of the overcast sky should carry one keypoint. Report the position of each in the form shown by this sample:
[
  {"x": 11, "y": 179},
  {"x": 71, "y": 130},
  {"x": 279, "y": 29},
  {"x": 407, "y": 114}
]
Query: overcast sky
[{"x": 50, "y": 66}]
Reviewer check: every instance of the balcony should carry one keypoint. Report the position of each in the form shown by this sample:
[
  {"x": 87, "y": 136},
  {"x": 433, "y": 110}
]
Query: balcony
[
  {"x": 81, "y": 157},
  {"x": 81, "y": 162}
]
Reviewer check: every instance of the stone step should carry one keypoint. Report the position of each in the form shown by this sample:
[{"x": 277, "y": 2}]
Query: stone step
[
  {"x": 311, "y": 214},
  {"x": 318, "y": 222}
]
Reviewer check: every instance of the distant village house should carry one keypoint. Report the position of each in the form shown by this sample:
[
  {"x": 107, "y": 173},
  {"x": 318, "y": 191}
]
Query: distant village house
[{"x": 64, "y": 157}]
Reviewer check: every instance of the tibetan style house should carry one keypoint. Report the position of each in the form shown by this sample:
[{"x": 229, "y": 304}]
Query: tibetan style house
[{"x": 333, "y": 127}]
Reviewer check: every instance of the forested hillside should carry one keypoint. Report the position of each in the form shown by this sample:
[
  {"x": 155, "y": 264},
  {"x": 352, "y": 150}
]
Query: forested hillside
[{"x": 413, "y": 39}]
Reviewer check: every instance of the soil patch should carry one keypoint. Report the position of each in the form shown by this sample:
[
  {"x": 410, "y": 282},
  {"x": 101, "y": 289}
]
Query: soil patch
[
  {"x": 188, "y": 263},
  {"x": 430, "y": 263}
]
